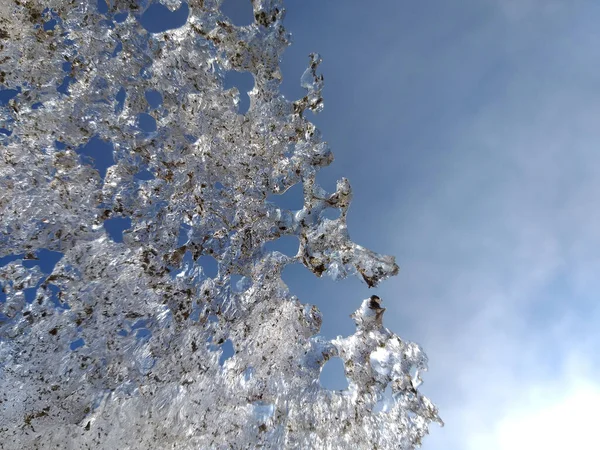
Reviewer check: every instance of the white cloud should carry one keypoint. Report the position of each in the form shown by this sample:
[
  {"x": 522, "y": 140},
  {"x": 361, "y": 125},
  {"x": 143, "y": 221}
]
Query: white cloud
[{"x": 555, "y": 416}]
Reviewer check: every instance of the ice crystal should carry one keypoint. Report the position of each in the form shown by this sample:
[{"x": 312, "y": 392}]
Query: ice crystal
[{"x": 126, "y": 160}]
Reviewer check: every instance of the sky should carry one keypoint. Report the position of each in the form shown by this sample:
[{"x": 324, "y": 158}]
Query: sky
[
  {"x": 468, "y": 130},
  {"x": 469, "y": 133}
]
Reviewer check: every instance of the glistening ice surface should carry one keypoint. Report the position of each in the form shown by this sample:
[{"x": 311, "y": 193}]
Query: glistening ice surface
[{"x": 116, "y": 340}]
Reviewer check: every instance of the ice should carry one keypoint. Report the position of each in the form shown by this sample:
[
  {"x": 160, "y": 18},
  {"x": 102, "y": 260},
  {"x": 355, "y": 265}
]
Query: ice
[{"x": 176, "y": 330}]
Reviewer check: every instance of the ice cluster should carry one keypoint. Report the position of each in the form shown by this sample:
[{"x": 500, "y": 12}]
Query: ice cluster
[{"x": 117, "y": 342}]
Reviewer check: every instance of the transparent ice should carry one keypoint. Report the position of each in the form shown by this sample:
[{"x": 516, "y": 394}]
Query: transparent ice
[{"x": 120, "y": 344}]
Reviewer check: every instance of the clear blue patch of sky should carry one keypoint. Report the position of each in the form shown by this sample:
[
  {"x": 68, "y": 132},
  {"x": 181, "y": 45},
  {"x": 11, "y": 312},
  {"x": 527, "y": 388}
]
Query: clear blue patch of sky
[
  {"x": 121, "y": 17},
  {"x": 78, "y": 343},
  {"x": 286, "y": 244},
  {"x": 144, "y": 175},
  {"x": 239, "y": 12},
  {"x": 115, "y": 226},
  {"x": 244, "y": 82},
  {"x": 292, "y": 199},
  {"x": 209, "y": 265},
  {"x": 332, "y": 375},
  {"x": 158, "y": 18},
  {"x": 102, "y": 6},
  {"x": 46, "y": 260},
  {"x": 154, "y": 98},
  {"x": 227, "y": 351},
  {"x": 6, "y": 95},
  {"x": 146, "y": 122},
  {"x": 98, "y": 154},
  {"x": 120, "y": 98}
]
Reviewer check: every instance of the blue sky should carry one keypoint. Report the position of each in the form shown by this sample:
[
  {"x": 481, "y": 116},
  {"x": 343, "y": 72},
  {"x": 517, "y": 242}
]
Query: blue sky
[{"x": 469, "y": 132}]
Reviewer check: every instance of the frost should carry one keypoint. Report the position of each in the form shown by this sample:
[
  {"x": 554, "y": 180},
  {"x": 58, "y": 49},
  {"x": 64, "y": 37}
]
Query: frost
[{"x": 123, "y": 153}]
